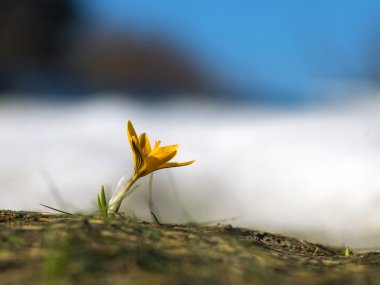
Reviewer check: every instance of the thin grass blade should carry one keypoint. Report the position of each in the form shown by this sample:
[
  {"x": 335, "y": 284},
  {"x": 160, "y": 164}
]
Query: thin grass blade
[{"x": 57, "y": 210}]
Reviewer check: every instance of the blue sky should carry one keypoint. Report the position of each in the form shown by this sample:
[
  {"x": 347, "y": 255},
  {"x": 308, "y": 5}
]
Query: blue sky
[{"x": 282, "y": 45}]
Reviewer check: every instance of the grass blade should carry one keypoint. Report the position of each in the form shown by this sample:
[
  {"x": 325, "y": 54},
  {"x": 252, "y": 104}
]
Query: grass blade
[
  {"x": 155, "y": 218},
  {"x": 175, "y": 192},
  {"x": 103, "y": 197},
  {"x": 99, "y": 203},
  {"x": 58, "y": 210}
]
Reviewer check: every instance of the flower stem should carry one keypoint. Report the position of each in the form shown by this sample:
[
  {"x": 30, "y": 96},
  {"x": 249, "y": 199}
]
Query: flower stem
[{"x": 115, "y": 202}]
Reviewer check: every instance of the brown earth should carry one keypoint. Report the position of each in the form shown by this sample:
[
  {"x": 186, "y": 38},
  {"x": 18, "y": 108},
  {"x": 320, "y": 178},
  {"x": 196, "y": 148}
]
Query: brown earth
[{"x": 43, "y": 248}]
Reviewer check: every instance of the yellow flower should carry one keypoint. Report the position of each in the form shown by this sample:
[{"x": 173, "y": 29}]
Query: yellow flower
[{"x": 147, "y": 159}]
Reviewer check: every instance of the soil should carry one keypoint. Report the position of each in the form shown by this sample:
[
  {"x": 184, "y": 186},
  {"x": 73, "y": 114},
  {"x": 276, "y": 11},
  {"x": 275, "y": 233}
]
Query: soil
[{"x": 44, "y": 248}]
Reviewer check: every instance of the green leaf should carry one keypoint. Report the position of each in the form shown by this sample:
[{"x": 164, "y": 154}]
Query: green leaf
[
  {"x": 347, "y": 252},
  {"x": 102, "y": 203},
  {"x": 99, "y": 203},
  {"x": 103, "y": 197}
]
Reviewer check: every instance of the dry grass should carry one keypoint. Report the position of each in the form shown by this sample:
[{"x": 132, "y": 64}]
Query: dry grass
[{"x": 42, "y": 248}]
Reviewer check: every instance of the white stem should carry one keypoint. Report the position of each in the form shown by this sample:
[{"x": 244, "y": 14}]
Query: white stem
[{"x": 115, "y": 202}]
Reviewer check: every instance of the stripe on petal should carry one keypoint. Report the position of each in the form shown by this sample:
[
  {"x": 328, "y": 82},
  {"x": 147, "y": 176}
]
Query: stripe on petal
[{"x": 137, "y": 155}]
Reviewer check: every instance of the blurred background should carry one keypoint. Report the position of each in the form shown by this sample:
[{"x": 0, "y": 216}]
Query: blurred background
[{"x": 278, "y": 102}]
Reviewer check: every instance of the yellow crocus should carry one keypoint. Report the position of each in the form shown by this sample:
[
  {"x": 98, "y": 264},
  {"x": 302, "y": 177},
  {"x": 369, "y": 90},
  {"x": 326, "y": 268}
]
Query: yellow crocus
[{"x": 146, "y": 160}]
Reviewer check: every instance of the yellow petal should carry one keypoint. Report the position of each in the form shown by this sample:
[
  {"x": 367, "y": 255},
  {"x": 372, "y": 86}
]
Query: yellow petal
[
  {"x": 164, "y": 154},
  {"x": 157, "y": 157},
  {"x": 137, "y": 155},
  {"x": 175, "y": 164},
  {"x": 145, "y": 144},
  {"x": 131, "y": 132}
]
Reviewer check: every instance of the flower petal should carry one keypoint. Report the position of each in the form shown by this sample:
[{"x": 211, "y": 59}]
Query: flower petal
[
  {"x": 175, "y": 164},
  {"x": 157, "y": 157},
  {"x": 131, "y": 132},
  {"x": 164, "y": 154},
  {"x": 145, "y": 144}
]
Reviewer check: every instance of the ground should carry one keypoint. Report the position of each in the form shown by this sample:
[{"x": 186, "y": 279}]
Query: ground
[{"x": 44, "y": 248}]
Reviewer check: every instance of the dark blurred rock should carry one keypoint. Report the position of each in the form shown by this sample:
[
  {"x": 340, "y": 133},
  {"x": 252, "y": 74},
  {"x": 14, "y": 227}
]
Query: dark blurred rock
[
  {"x": 47, "y": 48},
  {"x": 33, "y": 29},
  {"x": 32, "y": 33},
  {"x": 127, "y": 62}
]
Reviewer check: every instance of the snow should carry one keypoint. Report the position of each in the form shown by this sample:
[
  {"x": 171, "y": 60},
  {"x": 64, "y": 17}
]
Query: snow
[{"x": 301, "y": 171}]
